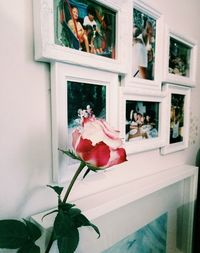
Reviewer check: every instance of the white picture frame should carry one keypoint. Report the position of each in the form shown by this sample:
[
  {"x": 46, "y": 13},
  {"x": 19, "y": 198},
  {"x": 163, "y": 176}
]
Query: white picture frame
[
  {"x": 47, "y": 49},
  {"x": 177, "y": 137},
  {"x": 145, "y": 103},
  {"x": 180, "y": 58},
  {"x": 61, "y": 76},
  {"x": 153, "y": 81}
]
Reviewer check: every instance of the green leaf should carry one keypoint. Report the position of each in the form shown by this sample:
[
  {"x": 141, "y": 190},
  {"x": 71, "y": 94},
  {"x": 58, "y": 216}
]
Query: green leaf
[
  {"x": 62, "y": 224},
  {"x": 74, "y": 212},
  {"x": 13, "y": 234},
  {"x": 65, "y": 232},
  {"x": 57, "y": 189},
  {"x": 69, "y": 242},
  {"x": 93, "y": 168},
  {"x": 54, "y": 211},
  {"x": 71, "y": 154},
  {"x": 80, "y": 220},
  {"x": 65, "y": 206},
  {"x": 33, "y": 231},
  {"x": 86, "y": 173},
  {"x": 29, "y": 247}
]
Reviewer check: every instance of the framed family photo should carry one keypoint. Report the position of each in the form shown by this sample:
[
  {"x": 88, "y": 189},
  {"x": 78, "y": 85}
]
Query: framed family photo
[
  {"x": 147, "y": 45},
  {"x": 76, "y": 93},
  {"x": 141, "y": 120},
  {"x": 83, "y": 32},
  {"x": 177, "y": 105},
  {"x": 180, "y": 59}
]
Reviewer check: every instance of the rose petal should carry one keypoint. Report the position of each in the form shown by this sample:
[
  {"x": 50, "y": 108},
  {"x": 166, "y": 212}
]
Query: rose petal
[
  {"x": 75, "y": 138},
  {"x": 98, "y": 156},
  {"x": 117, "y": 156},
  {"x": 96, "y": 132},
  {"x": 83, "y": 146},
  {"x": 98, "y": 144},
  {"x": 110, "y": 132}
]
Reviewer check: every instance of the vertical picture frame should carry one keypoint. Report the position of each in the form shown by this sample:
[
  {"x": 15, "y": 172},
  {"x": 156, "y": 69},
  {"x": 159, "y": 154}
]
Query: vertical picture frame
[
  {"x": 63, "y": 32},
  {"x": 141, "y": 117},
  {"x": 180, "y": 58},
  {"x": 177, "y": 106},
  {"x": 146, "y": 46},
  {"x": 75, "y": 91}
]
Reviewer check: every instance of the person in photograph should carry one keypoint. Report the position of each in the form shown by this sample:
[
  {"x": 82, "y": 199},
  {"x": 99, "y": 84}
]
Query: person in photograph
[
  {"x": 91, "y": 27},
  {"x": 77, "y": 28},
  {"x": 133, "y": 118},
  {"x": 175, "y": 135},
  {"x": 151, "y": 126},
  {"x": 142, "y": 47}
]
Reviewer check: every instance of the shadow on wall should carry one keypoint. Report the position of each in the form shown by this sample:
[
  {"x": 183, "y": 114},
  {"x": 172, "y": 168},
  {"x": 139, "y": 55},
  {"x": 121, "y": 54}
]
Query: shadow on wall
[{"x": 196, "y": 242}]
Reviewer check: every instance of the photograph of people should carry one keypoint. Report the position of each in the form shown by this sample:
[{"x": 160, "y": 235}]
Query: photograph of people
[
  {"x": 77, "y": 28},
  {"x": 176, "y": 118},
  {"x": 142, "y": 119},
  {"x": 144, "y": 32},
  {"x": 85, "y": 25},
  {"x": 179, "y": 58}
]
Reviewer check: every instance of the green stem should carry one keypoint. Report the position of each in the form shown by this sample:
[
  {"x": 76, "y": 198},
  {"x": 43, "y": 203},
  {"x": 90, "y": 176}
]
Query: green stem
[
  {"x": 49, "y": 243},
  {"x": 81, "y": 166}
]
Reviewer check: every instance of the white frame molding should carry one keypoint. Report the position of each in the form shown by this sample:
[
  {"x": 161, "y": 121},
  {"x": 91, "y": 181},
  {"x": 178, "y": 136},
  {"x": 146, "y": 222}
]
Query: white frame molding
[
  {"x": 47, "y": 50},
  {"x": 151, "y": 12},
  {"x": 147, "y": 96},
  {"x": 60, "y": 74},
  {"x": 191, "y": 43},
  {"x": 126, "y": 193},
  {"x": 170, "y": 89}
]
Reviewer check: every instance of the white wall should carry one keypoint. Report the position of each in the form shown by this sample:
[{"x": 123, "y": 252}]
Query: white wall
[{"x": 25, "y": 129}]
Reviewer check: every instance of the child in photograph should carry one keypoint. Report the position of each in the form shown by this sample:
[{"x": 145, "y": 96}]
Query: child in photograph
[
  {"x": 95, "y": 37},
  {"x": 77, "y": 28}
]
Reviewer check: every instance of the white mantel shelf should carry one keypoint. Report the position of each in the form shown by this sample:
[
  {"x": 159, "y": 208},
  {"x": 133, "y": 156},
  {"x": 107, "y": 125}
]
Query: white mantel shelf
[{"x": 99, "y": 203}]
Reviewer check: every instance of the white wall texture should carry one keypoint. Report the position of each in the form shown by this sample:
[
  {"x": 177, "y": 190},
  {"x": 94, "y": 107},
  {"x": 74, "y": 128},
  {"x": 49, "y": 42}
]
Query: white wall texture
[{"x": 25, "y": 128}]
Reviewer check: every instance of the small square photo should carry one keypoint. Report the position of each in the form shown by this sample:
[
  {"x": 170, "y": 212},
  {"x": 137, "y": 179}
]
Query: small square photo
[
  {"x": 179, "y": 58},
  {"x": 142, "y": 120}
]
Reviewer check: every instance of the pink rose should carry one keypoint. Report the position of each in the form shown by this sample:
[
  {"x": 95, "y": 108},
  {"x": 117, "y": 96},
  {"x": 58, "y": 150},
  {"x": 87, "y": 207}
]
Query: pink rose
[{"x": 98, "y": 144}]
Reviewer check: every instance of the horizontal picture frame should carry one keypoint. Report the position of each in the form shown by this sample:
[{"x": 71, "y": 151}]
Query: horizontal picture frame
[
  {"x": 63, "y": 32},
  {"x": 146, "y": 47},
  {"x": 176, "y": 124},
  {"x": 74, "y": 92},
  {"x": 180, "y": 58},
  {"x": 141, "y": 116}
]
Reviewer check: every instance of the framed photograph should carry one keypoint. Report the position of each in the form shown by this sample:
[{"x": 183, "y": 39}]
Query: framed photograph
[
  {"x": 180, "y": 59},
  {"x": 141, "y": 120},
  {"x": 177, "y": 106},
  {"x": 83, "y": 32},
  {"x": 147, "y": 45},
  {"x": 75, "y": 92}
]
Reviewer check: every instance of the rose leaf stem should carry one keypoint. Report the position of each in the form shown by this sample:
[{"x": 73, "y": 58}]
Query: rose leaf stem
[
  {"x": 49, "y": 243},
  {"x": 81, "y": 166}
]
